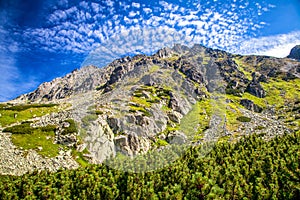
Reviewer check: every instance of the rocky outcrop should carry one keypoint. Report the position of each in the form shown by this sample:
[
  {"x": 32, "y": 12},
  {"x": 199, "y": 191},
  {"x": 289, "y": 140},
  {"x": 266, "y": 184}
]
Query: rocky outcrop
[
  {"x": 76, "y": 82},
  {"x": 52, "y": 119},
  {"x": 250, "y": 105},
  {"x": 132, "y": 144},
  {"x": 164, "y": 53},
  {"x": 99, "y": 141},
  {"x": 295, "y": 53},
  {"x": 256, "y": 89},
  {"x": 177, "y": 137}
]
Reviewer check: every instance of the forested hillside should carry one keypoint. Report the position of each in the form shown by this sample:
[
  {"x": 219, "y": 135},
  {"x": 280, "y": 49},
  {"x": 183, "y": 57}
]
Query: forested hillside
[{"x": 252, "y": 168}]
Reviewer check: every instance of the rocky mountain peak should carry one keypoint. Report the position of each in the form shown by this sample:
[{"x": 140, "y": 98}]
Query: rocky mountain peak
[
  {"x": 295, "y": 52},
  {"x": 78, "y": 81},
  {"x": 177, "y": 95}
]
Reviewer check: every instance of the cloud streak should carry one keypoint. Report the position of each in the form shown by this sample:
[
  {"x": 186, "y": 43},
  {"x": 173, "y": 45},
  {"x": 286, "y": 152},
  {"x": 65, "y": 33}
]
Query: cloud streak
[{"x": 276, "y": 45}]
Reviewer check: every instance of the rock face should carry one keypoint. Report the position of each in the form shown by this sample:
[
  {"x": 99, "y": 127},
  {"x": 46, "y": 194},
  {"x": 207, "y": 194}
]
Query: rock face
[
  {"x": 256, "y": 89},
  {"x": 100, "y": 141},
  {"x": 135, "y": 102},
  {"x": 295, "y": 53},
  {"x": 250, "y": 105},
  {"x": 76, "y": 82}
]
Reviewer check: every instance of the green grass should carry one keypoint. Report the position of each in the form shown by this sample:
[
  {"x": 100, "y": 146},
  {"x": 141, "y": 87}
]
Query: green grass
[
  {"x": 165, "y": 108},
  {"x": 232, "y": 112},
  {"x": 37, "y": 139},
  {"x": 23, "y": 128},
  {"x": 141, "y": 101},
  {"x": 160, "y": 142},
  {"x": 279, "y": 91},
  {"x": 141, "y": 109},
  {"x": 206, "y": 59},
  {"x": 182, "y": 74},
  {"x": 71, "y": 129},
  {"x": 197, "y": 120},
  {"x": 22, "y": 107},
  {"x": 27, "y": 137},
  {"x": 244, "y": 119},
  {"x": 86, "y": 120},
  {"x": 154, "y": 68},
  {"x": 13, "y": 114},
  {"x": 244, "y": 68},
  {"x": 258, "y": 101},
  {"x": 172, "y": 58},
  {"x": 78, "y": 156}
]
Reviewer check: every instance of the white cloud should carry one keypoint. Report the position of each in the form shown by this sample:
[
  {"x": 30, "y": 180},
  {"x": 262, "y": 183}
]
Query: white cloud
[
  {"x": 147, "y": 10},
  {"x": 90, "y": 26},
  {"x": 277, "y": 45},
  {"x": 110, "y": 3},
  {"x": 132, "y": 14},
  {"x": 136, "y": 5},
  {"x": 95, "y": 7}
]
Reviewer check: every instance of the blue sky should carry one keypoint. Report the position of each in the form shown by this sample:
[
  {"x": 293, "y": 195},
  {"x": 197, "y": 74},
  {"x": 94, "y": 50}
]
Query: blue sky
[{"x": 44, "y": 39}]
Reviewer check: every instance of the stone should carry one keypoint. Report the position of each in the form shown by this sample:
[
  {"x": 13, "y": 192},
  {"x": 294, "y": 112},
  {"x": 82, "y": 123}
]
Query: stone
[
  {"x": 65, "y": 125},
  {"x": 178, "y": 104},
  {"x": 100, "y": 140},
  {"x": 262, "y": 78},
  {"x": 175, "y": 116},
  {"x": 250, "y": 105},
  {"x": 164, "y": 53},
  {"x": 256, "y": 89},
  {"x": 176, "y": 137}
]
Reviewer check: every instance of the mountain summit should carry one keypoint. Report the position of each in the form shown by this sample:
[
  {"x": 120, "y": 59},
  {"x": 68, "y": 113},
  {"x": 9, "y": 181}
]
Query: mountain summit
[
  {"x": 295, "y": 53},
  {"x": 135, "y": 105}
]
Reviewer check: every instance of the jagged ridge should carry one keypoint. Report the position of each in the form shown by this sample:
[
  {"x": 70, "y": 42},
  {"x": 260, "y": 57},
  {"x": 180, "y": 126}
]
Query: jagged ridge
[{"x": 145, "y": 102}]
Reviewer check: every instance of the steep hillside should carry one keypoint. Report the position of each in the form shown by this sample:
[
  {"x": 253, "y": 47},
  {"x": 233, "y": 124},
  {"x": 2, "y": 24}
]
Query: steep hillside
[{"x": 180, "y": 96}]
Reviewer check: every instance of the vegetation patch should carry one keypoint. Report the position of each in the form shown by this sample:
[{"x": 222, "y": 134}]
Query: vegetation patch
[
  {"x": 244, "y": 119},
  {"x": 235, "y": 92},
  {"x": 27, "y": 106},
  {"x": 160, "y": 142},
  {"x": 40, "y": 139},
  {"x": 197, "y": 120},
  {"x": 244, "y": 68},
  {"x": 79, "y": 157},
  {"x": 72, "y": 127},
  {"x": 172, "y": 58},
  {"x": 154, "y": 68},
  {"x": 145, "y": 96},
  {"x": 86, "y": 120},
  {"x": 23, "y": 128},
  {"x": 232, "y": 112},
  {"x": 141, "y": 109},
  {"x": 141, "y": 101},
  {"x": 18, "y": 113},
  {"x": 279, "y": 92},
  {"x": 261, "y": 102}
]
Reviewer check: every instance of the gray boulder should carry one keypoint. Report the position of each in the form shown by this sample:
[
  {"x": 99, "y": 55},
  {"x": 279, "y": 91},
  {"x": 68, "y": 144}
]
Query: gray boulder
[{"x": 248, "y": 104}]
